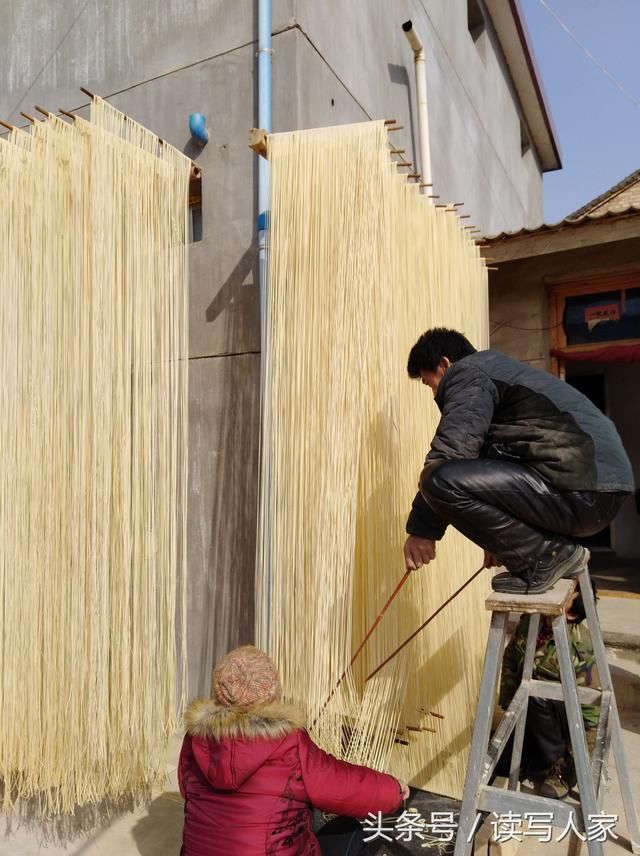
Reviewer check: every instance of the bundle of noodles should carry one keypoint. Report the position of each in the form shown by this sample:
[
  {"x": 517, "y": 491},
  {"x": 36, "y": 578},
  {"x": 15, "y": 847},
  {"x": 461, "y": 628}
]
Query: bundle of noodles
[
  {"x": 93, "y": 343},
  {"x": 359, "y": 265}
]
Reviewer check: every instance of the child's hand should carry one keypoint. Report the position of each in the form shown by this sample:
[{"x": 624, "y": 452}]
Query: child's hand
[{"x": 404, "y": 789}]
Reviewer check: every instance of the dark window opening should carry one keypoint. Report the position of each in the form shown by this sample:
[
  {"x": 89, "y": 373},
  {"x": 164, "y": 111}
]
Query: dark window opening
[
  {"x": 195, "y": 224},
  {"x": 606, "y": 316},
  {"x": 525, "y": 142},
  {"x": 593, "y": 386},
  {"x": 475, "y": 20}
]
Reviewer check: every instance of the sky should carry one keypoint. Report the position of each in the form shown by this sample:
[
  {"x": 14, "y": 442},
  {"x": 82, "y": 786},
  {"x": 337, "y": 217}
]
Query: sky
[{"x": 598, "y": 128}]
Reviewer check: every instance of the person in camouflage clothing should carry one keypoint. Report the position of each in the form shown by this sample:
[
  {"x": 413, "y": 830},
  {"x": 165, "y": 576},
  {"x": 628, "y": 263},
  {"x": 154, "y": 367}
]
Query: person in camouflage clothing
[{"x": 546, "y": 754}]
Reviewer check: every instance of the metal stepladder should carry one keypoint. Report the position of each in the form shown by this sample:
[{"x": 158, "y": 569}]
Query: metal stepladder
[{"x": 479, "y": 795}]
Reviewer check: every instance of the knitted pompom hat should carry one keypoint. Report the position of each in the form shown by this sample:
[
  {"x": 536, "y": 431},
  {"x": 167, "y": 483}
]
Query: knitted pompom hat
[{"x": 244, "y": 677}]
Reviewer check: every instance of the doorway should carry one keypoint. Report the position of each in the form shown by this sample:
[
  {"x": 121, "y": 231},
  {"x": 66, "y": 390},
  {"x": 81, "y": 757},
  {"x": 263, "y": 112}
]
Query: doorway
[{"x": 592, "y": 384}]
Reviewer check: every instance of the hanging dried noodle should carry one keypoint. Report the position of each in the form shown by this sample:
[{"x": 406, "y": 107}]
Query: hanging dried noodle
[
  {"x": 359, "y": 265},
  {"x": 93, "y": 432}
]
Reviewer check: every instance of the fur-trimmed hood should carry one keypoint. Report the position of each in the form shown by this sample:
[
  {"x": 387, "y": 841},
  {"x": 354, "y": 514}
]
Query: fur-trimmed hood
[
  {"x": 207, "y": 719},
  {"x": 230, "y": 745}
]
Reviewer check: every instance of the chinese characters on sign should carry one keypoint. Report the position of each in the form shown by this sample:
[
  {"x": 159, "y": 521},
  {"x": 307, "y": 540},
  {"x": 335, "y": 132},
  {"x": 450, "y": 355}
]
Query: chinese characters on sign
[
  {"x": 441, "y": 827},
  {"x": 411, "y": 825}
]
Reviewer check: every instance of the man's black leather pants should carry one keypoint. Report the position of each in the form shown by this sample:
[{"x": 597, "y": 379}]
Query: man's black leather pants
[{"x": 511, "y": 511}]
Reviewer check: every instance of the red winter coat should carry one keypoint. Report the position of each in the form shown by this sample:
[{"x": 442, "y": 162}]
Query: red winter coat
[{"x": 250, "y": 778}]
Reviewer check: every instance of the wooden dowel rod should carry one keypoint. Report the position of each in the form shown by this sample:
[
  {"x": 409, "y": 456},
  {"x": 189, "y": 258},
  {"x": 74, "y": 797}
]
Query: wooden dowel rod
[
  {"x": 424, "y": 624},
  {"x": 7, "y": 126},
  {"x": 42, "y": 110},
  {"x": 367, "y": 636},
  {"x": 442, "y": 204},
  {"x": 405, "y": 163},
  {"x": 27, "y": 116},
  {"x": 66, "y": 113},
  {"x": 398, "y": 151},
  {"x": 87, "y": 93},
  {"x": 430, "y": 713},
  {"x": 395, "y": 128},
  {"x": 414, "y": 175},
  {"x": 389, "y": 121},
  {"x": 457, "y": 204},
  {"x": 464, "y": 216},
  {"x": 426, "y": 185},
  {"x": 431, "y": 196},
  {"x": 258, "y": 141}
]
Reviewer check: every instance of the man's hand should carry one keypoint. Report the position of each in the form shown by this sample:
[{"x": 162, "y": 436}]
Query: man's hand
[
  {"x": 490, "y": 560},
  {"x": 418, "y": 552}
]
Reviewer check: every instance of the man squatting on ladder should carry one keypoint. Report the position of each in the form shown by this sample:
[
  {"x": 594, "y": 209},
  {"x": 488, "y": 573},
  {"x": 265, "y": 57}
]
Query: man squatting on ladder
[{"x": 521, "y": 463}]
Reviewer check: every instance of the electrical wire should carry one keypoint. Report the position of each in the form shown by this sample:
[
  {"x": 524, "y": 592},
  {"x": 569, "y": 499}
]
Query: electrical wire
[
  {"x": 502, "y": 324},
  {"x": 590, "y": 56}
]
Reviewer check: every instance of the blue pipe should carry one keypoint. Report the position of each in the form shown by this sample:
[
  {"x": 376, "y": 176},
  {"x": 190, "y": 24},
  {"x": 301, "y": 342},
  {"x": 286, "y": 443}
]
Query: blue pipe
[
  {"x": 264, "y": 104},
  {"x": 264, "y": 121},
  {"x": 198, "y": 128}
]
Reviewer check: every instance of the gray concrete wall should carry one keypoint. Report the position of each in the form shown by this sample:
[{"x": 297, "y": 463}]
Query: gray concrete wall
[
  {"x": 333, "y": 62},
  {"x": 51, "y": 49},
  {"x": 473, "y": 114}
]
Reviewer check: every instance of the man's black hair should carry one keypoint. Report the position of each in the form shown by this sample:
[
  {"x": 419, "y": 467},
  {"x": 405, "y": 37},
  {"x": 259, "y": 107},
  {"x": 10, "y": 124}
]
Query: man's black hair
[{"x": 435, "y": 344}]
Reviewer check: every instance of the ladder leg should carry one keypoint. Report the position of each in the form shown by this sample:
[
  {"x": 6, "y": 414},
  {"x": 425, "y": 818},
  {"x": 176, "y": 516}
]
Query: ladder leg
[
  {"x": 481, "y": 732},
  {"x": 616, "y": 731},
  {"x": 575, "y": 845},
  {"x": 527, "y": 671},
  {"x": 576, "y": 728}
]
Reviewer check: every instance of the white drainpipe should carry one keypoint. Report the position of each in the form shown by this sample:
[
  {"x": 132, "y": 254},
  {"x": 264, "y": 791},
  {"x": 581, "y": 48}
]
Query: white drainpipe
[{"x": 421, "y": 96}]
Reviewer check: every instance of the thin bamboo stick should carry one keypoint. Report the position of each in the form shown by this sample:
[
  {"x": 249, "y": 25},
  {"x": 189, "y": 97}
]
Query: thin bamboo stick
[{"x": 425, "y": 623}]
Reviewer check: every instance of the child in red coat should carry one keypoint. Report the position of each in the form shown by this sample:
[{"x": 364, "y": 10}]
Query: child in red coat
[{"x": 250, "y": 774}]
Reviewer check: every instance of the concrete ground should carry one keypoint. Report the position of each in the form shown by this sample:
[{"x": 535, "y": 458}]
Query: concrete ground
[{"x": 156, "y": 830}]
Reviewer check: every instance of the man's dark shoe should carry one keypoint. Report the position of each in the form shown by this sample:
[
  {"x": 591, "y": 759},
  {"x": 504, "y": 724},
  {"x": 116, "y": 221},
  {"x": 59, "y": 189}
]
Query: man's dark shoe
[
  {"x": 566, "y": 560},
  {"x": 553, "y": 784}
]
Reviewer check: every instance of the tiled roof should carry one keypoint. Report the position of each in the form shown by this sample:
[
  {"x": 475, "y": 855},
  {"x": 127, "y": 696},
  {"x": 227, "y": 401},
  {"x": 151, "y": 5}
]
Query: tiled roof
[
  {"x": 568, "y": 223},
  {"x": 613, "y": 191}
]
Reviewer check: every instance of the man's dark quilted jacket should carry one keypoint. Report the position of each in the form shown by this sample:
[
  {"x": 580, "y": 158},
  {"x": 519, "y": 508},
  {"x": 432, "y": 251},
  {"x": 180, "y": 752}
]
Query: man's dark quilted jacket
[{"x": 496, "y": 407}]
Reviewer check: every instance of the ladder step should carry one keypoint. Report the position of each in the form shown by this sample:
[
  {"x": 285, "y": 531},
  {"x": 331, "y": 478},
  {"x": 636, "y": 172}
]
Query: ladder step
[
  {"x": 551, "y": 602},
  {"x": 553, "y": 690},
  {"x": 502, "y": 801}
]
